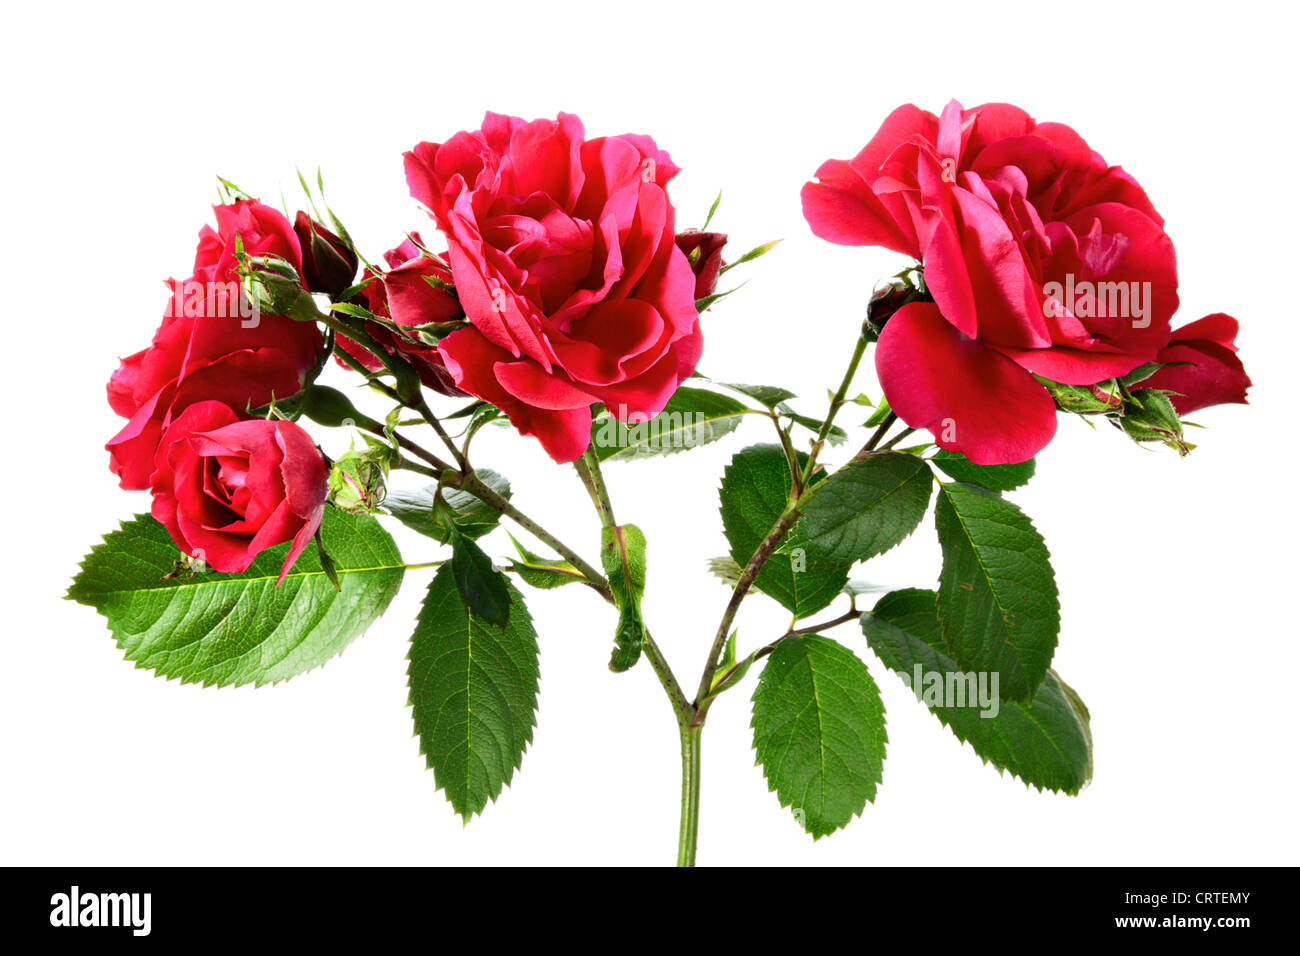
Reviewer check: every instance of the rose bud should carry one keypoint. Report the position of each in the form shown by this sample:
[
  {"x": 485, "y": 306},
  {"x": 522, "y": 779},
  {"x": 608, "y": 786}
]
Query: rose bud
[
  {"x": 887, "y": 299},
  {"x": 1148, "y": 415},
  {"x": 275, "y": 288},
  {"x": 356, "y": 483},
  {"x": 1085, "y": 399},
  {"x": 416, "y": 294},
  {"x": 226, "y": 490},
  {"x": 704, "y": 252},
  {"x": 329, "y": 265}
]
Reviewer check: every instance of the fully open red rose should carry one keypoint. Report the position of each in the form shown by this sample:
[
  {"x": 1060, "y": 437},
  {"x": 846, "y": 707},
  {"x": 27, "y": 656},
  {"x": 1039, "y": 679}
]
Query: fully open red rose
[
  {"x": 1203, "y": 368},
  {"x": 414, "y": 292},
  {"x": 1041, "y": 258},
  {"x": 562, "y": 254},
  {"x": 210, "y": 345},
  {"x": 226, "y": 489}
]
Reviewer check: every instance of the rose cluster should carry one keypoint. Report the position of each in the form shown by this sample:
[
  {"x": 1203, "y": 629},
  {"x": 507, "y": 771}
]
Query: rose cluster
[
  {"x": 1042, "y": 265},
  {"x": 226, "y": 484},
  {"x": 563, "y": 285}
]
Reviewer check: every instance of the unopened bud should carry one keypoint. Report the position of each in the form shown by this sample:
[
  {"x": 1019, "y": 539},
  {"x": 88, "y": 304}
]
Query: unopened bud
[
  {"x": 328, "y": 263},
  {"x": 357, "y": 483}
]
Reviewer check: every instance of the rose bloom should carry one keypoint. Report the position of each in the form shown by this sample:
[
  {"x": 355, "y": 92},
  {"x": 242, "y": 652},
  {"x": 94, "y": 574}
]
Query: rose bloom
[
  {"x": 209, "y": 346},
  {"x": 415, "y": 291},
  {"x": 563, "y": 256},
  {"x": 227, "y": 489},
  {"x": 1041, "y": 260}
]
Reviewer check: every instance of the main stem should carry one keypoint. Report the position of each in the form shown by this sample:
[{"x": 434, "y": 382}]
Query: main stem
[{"x": 688, "y": 833}]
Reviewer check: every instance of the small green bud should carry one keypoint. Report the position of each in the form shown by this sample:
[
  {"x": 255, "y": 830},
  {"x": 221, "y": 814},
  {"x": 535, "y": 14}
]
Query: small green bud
[
  {"x": 357, "y": 483},
  {"x": 274, "y": 288},
  {"x": 1148, "y": 415}
]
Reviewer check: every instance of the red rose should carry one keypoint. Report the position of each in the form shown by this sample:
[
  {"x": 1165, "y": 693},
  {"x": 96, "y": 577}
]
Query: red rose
[
  {"x": 1041, "y": 259},
  {"x": 226, "y": 489},
  {"x": 562, "y": 254},
  {"x": 1214, "y": 375},
  {"x": 262, "y": 230},
  {"x": 210, "y": 346},
  {"x": 704, "y": 253},
  {"x": 415, "y": 291}
]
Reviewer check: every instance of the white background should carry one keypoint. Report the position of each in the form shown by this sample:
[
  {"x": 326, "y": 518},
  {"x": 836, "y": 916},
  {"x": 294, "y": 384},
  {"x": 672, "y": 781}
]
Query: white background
[{"x": 1177, "y": 577}]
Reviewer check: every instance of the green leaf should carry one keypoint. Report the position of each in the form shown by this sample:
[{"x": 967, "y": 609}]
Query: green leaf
[
  {"x": 709, "y": 300},
  {"x": 542, "y": 572},
  {"x": 622, "y": 556},
  {"x": 819, "y": 731},
  {"x": 692, "y": 417},
  {"x": 993, "y": 477},
  {"x": 769, "y": 395},
  {"x": 712, "y": 209},
  {"x": 752, "y": 254},
  {"x": 755, "y": 489},
  {"x": 471, "y": 517},
  {"x": 997, "y": 593},
  {"x": 481, "y": 585},
  {"x": 836, "y": 435},
  {"x": 1046, "y": 744},
  {"x": 473, "y": 693},
  {"x": 864, "y": 509},
  {"x": 228, "y": 629},
  {"x": 879, "y": 415}
]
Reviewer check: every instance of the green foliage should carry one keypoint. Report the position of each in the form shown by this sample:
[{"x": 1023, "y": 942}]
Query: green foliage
[
  {"x": 483, "y": 588},
  {"x": 227, "y": 629},
  {"x": 473, "y": 693},
  {"x": 819, "y": 731},
  {"x": 622, "y": 557},
  {"x": 864, "y": 509},
  {"x": 993, "y": 477},
  {"x": 997, "y": 594},
  {"x": 692, "y": 417},
  {"x": 1046, "y": 743},
  {"x": 470, "y": 516},
  {"x": 755, "y": 490},
  {"x": 542, "y": 572}
]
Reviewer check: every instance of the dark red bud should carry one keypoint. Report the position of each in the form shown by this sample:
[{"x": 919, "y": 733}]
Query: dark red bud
[
  {"x": 329, "y": 265},
  {"x": 704, "y": 251}
]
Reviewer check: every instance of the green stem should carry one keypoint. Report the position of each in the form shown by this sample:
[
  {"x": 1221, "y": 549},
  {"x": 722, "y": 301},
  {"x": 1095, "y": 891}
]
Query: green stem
[
  {"x": 689, "y": 832},
  {"x": 588, "y": 468},
  {"x": 879, "y": 433},
  {"x": 836, "y": 404},
  {"x": 765, "y": 549}
]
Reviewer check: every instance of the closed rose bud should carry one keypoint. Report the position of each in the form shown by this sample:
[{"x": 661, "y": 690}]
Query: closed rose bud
[
  {"x": 356, "y": 483},
  {"x": 1149, "y": 415},
  {"x": 704, "y": 252},
  {"x": 274, "y": 287},
  {"x": 329, "y": 265},
  {"x": 1086, "y": 399},
  {"x": 888, "y": 299}
]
